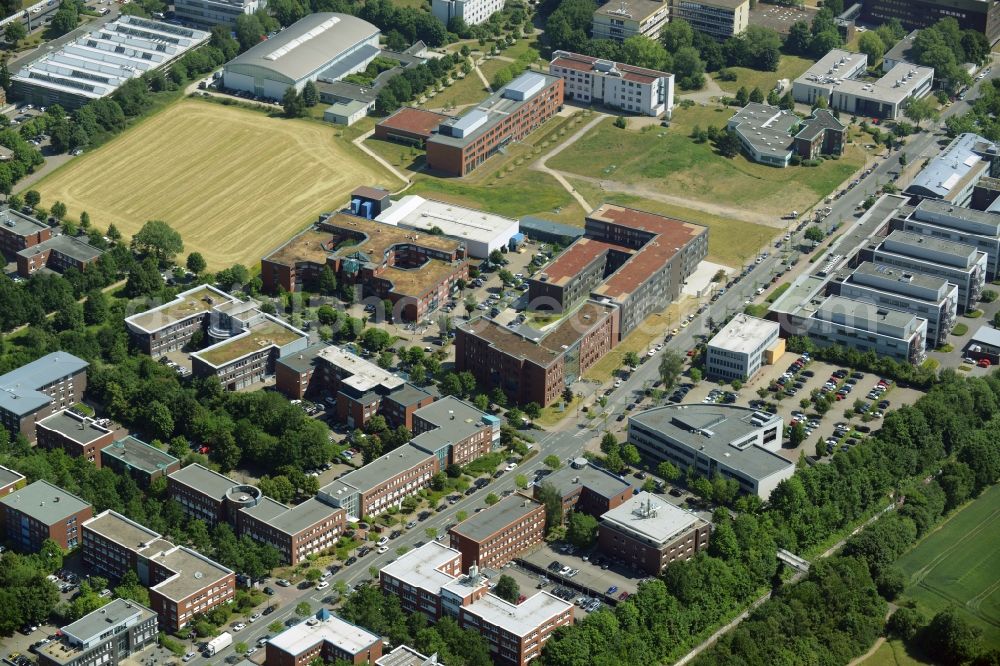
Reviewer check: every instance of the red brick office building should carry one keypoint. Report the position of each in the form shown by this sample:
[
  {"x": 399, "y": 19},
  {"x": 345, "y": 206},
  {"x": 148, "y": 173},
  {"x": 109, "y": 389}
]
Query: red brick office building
[
  {"x": 410, "y": 126},
  {"x": 588, "y": 489},
  {"x": 19, "y": 231},
  {"x": 41, "y": 511},
  {"x": 498, "y": 534},
  {"x": 77, "y": 435}
]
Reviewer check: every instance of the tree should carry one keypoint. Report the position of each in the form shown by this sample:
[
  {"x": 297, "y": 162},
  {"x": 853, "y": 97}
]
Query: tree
[
  {"x": 676, "y": 34},
  {"x": 728, "y": 144},
  {"x": 919, "y": 110},
  {"x": 95, "y": 308},
  {"x": 550, "y": 496},
  {"x": 581, "y": 529},
  {"x": 310, "y": 96},
  {"x": 871, "y": 45},
  {"x": 492, "y": 499},
  {"x": 631, "y": 359},
  {"x": 552, "y": 462},
  {"x": 313, "y": 574},
  {"x": 507, "y": 588},
  {"x": 667, "y": 471},
  {"x": 671, "y": 366},
  {"x": 797, "y": 434},
  {"x": 950, "y": 639},
  {"x": 158, "y": 239},
  {"x": 196, "y": 263},
  {"x": 695, "y": 375},
  {"x": 742, "y": 96},
  {"x": 757, "y": 95},
  {"x": 32, "y": 198},
  {"x": 292, "y": 103},
  {"x": 641, "y": 51},
  {"x": 65, "y": 19},
  {"x": 815, "y": 234},
  {"x": 630, "y": 454},
  {"x": 303, "y": 609},
  {"x": 14, "y": 32},
  {"x": 249, "y": 30}
]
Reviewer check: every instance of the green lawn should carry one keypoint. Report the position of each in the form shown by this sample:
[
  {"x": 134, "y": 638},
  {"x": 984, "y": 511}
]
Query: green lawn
[
  {"x": 957, "y": 565},
  {"x": 790, "y": 67},
  {"x": 669, "y": 160},
  {"x": 462, "y": 92},
  {"x": 399, "y": 155},
  {"x": 730, "y": 242},
  {"x": 893, "y": 653},
  {"x": 491, "y": 67}
]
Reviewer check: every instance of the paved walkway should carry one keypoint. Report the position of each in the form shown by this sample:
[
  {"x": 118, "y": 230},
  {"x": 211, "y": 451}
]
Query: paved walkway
[
  {"x": 539, "y": 164},
  {"x": 360, "y": 143},
  {"x": 711, "y": 93}
]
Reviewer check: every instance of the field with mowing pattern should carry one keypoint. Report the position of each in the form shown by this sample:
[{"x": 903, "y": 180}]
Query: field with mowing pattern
[
  {"x": 234, "y": 183},
  {"x": 959, "y": 565}
]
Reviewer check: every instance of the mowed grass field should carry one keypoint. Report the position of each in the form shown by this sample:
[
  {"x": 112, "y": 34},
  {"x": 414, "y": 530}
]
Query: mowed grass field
[
  {"x": 959, "y": 565},
  {"x": 668, "y": 160},
  {"x": 234, "y": 183}
]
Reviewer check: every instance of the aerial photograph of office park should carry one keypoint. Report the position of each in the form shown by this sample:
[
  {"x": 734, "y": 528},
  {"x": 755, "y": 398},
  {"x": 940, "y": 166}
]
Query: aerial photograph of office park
[{"x": 474, "y": 332}]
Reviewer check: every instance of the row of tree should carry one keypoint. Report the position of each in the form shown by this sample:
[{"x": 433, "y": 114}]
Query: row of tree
[{"x": 954, "y": 423}]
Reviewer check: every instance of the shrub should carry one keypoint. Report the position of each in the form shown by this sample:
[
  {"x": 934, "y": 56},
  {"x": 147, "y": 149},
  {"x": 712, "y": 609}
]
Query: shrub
[{"x": 960, "y": 329}]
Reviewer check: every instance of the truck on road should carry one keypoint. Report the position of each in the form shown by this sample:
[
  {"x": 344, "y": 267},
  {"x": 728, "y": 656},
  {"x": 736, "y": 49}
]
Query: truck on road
[{"x": 219, "y": 643}]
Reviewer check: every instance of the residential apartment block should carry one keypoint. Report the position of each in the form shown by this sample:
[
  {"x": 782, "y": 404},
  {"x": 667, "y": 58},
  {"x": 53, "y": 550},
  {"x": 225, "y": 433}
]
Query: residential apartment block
[
  {"x": 58, "y": 253},
  {"x": 473, "y": 12},
  {"x": 455, "y": 431},
  {"x": 10, "y": 481},
  {"x": 742, "y": 347},
  {"x": 79, "y": 436},
  {"x": 499, "y": 533},
  {"x": 510, "y": 114},
  {"x": 587, "y": 489},
  {"x": 529, "y": 365},
  {"x": 961, "y": 264},
  {"x": 838, "y": 77},
  {"x": 428, "y": 580},
  {"x": 37, "y": 389},
  {"x": 734, "y": 442},
  {"x": 19, "y": 231},
  {"x": 41, "y": 511},
  {"x": 245, "y": 342},
  {"x": 926, "y": 296},
  {"x": 648, "y": 534},
  {"x": 638, "y": 90},
  {"x": 952, "y": 174},
  {"x": 325, "y": 637},
  {"x": 383, "y": 483},
  {"x": 721, "y": 19},
  {"x": 621, "y": 19},
  {"x": 113, "y": 634},
  {"x": 142, "y": 462},
  {"x": 415, "y": 271},
  {"x": 940, "y": 219},
  {"x": 635, "y": 260},
  {"x": 184, "y": 583}
]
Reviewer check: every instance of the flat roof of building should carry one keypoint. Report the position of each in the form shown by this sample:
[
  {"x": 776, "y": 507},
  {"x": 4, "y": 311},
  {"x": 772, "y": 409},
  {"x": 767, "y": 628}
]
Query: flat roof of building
[
  {"x": 19, "y": 392},
  {"x": 482, "y": 525},
  {"x": 307, "y": 46},
  {"x": 894, "y": 86},
  {"x": 270, "y": 332},
  {"x": 80, "y": 429},
  {"x": 302, "y": 361},
  {"x": 404, "y": 655},
  {"x": 986, "y": 335},
  {"x": 9, "y": 477},
  {"x": 46, "y": 503},
  {"x": 125, "y": 532},
  {"x": 711, "y": 429},
  {"x": 502, "y": 104},
  {"x": 651, "y": 517},
  {"x": 324, "y": 627},
  {"x": 68, "y": 246},
  {"x": 962, "y": 252},
  {"x": 541, "y": 348},
  {"x": 377, "y": 471},
  {"x": 986, "y": 222},
  {"x": 302, "y": 516},
  {"x": 420, "y": 567},
  {"x": 585, "y": 63},
  {"x": 455, "y": 420},
  {"x": 743, "y": 334},
  {"x": 574, "y": 259},
  {"x": 519, "y": 619},
  {"x": 378, "y": 239},
  {"x": 204, "y": 480},
  {"x": 900, "y": 275},
  {"x": 595, "y": 479},
  {"x": 193, "y": 572},
  {"x": 410, "y": 395},
  {"x": 767, "y": 128},
  {"x": 952, "y": 166},
  {"x": 633, "y": 9},
  {"x": 105, "y": 57},
  {"x": 17, "y": 223},
  {"x": 116, "y": 612},
  {"x": 137, "y": 454},
  {"x": 900, "y": 51},
  {"x": 414, "y": 121},
  {"x": 864, "y": 315},
  {"x": 820, "y": 121},
  {"x": 467, "y": 224},
  {"x": 672, "y": 236},
  {"x": 312, "y": 246},
  {"x": 364, "y": 375},
  {"x": 194, "y": 302},
  {"x": 530, "y": 224}
]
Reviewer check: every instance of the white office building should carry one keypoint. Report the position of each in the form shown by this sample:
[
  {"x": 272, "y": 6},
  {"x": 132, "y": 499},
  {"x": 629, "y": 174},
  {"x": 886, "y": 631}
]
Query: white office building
[
  {"x": 941, "y": 219},
  {"x": 960, "y": 264},
  {"x": 735, "y": 442},
  {"x": 481, "y": 232},
  {"x": 901, "y": 336},
  {"x": 473, "y": 12},
  {"x": 591, "y": 80},
  {"x": 952, "y": 174},
  {"x": 927, "y": 296},
  {"x": 209, "y": 13},
  {"x": 836, "y": 77},
  {"x": 738, "y": 350}
]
